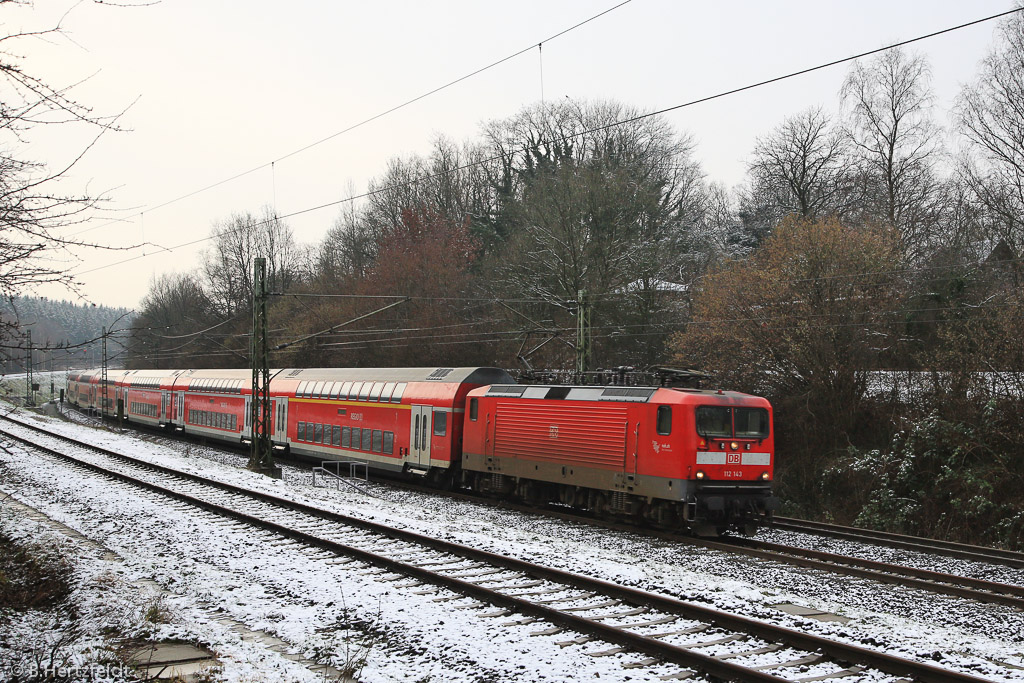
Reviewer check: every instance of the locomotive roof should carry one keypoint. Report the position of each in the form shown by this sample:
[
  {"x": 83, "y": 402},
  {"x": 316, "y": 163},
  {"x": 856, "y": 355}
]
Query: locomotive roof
[
  {"x": 441, "y": 375},
  {"x": 573, "y": 393}
]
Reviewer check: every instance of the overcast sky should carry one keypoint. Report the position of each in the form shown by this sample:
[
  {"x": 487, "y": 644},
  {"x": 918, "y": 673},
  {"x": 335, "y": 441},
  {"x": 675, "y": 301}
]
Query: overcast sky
[{"x": 217, "y": 88}]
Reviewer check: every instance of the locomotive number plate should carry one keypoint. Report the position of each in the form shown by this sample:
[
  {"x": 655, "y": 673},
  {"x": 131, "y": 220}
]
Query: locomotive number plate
[{"x": 733, "y": 474}]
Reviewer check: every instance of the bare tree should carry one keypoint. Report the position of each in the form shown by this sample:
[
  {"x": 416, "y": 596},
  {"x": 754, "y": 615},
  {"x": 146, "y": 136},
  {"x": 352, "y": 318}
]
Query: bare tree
[
  {"x": 348, "y": 249},
  {"x": 888, "y": 101},
  {"x": 227, "y": 266},
  {"x": 33, "y": 200},
  {"x": 800, "y": 166},
  {"x": 592, "y": 204},
  {"x": 173, "y": 310},
  {"x": 990, "y": 113},
  {"x": 452, "y": 181}
]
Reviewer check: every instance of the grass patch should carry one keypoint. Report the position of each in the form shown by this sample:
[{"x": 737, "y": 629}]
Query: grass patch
[{"x": 32, "y": 576}]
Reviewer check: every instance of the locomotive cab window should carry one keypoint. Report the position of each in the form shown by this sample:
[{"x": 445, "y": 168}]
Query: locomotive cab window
[
  {"x": 473, "y": 409},
  {"x": 751, "y": 423},
  {"x": 714, "y": 421},
  {"x": 664, "y": 420}
]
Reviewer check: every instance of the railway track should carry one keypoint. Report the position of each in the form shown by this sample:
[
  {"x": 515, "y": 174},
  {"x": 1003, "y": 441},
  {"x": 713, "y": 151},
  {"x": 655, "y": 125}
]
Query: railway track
[
  {"x": 942, "y": 583},
  {"x": 962, "y": 551},
  {"x": 885, "y": 572},
  {"x": 625, "y": 620}
]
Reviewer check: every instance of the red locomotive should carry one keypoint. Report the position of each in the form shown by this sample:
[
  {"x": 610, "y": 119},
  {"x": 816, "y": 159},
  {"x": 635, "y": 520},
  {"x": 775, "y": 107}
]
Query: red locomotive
[{"x": 689, "y": 458}]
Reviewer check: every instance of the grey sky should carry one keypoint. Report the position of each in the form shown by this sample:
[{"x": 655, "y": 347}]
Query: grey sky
[{"x": 224, "y": 87}]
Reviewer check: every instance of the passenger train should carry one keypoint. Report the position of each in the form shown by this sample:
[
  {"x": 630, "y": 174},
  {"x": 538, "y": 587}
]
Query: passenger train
[{"x": 676, "y": 458}]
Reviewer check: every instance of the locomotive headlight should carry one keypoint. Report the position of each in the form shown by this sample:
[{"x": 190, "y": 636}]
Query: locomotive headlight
[
  {"x": 765, "y": 476},
  {"x": 700, "y": 475},
  {"x": 734, "y": 446}
]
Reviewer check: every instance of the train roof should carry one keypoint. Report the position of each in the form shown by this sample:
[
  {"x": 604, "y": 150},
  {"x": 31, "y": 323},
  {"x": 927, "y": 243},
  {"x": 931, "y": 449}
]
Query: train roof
[{"x": 440, "y": 375}]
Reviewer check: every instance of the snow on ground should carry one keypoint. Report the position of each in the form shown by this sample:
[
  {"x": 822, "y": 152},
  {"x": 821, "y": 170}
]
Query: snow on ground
[{"x": 346, "y": 613}]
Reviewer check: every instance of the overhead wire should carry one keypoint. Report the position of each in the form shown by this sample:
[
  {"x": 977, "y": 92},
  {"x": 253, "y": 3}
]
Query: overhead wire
[
  {"x": 364, "y": 122},
  {"x": 572, "y": 136}
]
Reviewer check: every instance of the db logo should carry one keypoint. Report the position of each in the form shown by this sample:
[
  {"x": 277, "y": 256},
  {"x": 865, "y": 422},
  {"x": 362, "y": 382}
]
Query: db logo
[{"x": 732, "y": 459}]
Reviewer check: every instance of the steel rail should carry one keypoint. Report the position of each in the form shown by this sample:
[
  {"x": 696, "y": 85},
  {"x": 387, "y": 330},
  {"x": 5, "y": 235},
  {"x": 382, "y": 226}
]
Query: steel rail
[
  {"x": 965, "y": 551},
  {"x": 841, "y": 652},
  {"x": 924, "y": 579}
]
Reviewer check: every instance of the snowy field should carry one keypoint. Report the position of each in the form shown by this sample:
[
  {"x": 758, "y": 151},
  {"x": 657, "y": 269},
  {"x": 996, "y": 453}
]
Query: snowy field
[{"x": 216, "y": 575}]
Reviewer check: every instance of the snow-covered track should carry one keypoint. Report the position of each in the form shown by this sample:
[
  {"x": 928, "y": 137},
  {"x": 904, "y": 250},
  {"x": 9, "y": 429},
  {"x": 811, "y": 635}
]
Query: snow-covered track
[
  {"x": 885, "y": 572},
  {"x": 963, "y": 551},
  {"x": 616, "y": 614},
  {"x": 932, "y": 581},
  {"x": 900, "y": 574}
]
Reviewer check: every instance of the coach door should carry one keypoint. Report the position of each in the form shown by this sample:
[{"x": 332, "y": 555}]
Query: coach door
[
  {"x": 281, "y": 419},
  {"x": 181, "y": 408},
  {"x": 165, "y": 399},
  {"x": 419, "y": 449}
]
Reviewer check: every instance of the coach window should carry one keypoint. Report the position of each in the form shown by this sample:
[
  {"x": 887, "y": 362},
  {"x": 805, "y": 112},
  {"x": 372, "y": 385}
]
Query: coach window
[
  {"x": 318, "y": 433},
  {"x": 346, "y": 437},
  {"x": 440, "y": 423},
  {"x": 664, "y": 420},
  {"x": 378, "y": 440},
  {"x": 302, "y": 388},
  {"x": 389, "y": 443},
  {"x": 301, "y": 432},
  {"x": 356, "y": 435},
  {"x": 367, "y": 439},
  {"x": 473, "y": 408},
  {"x": 399, "y": 390},
  {"x": 328, "y": 388},
  {"x": 375, "y": 391},
  {"x": 385, "y": 395},
  {"x": 345, "y": 388},
  {"x": 317, "y": 388},
  {"x": 353, "y": 392},
  {"x": 336, "y": 435},
  {"x": 336, "y": 389},
  {"x": 364, "y": 391}
]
